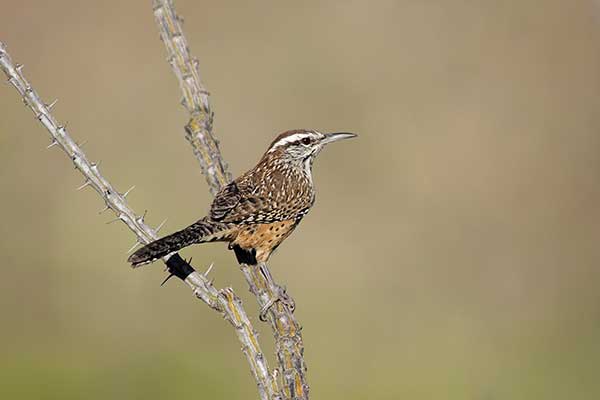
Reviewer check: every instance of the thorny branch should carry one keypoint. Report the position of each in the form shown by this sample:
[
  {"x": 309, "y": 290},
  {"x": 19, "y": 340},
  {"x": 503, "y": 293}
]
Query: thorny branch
[
  {"x": 286, "y": 329},
  {"x": 224, "y": 301},
  {"x": 199, "y": 129}
]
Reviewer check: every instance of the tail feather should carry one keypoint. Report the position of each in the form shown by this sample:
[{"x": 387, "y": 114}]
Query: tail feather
[{"x": 201, "y": 231}]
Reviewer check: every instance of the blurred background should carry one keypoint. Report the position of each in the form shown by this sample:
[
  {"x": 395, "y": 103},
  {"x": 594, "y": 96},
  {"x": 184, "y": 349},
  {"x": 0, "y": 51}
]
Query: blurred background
[{"x": 453, "y": 249}]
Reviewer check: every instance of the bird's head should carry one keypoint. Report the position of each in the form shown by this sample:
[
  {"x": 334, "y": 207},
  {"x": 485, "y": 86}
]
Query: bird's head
[{"x": 302, "y": 145}]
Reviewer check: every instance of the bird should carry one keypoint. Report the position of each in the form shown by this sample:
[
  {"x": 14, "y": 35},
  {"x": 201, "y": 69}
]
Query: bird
[{"x": 258, "y": 210}]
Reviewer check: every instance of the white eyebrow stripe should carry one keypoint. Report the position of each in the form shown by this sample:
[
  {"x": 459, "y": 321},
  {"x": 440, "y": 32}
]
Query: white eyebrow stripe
[{"x": 289, "y": 139}]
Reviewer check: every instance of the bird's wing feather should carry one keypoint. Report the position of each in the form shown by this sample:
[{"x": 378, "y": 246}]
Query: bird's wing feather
[
  {"x": 237, "y": 203},
  {"x": 249, "y": 200},
  {"x": 225, "y": 201}
]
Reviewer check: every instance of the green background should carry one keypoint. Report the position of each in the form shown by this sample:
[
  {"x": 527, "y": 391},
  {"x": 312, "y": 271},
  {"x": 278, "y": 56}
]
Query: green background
[{"x": 453, "y": 249}]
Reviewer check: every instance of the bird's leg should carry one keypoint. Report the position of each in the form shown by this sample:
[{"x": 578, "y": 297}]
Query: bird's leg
[
  {"x": 244, "y": 256},
  {"x": 280, "y": 294}
]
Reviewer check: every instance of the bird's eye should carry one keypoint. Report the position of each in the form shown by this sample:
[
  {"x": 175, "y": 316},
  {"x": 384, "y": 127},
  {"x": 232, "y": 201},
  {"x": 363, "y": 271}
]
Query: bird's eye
[{"x": 306, "y": 141}]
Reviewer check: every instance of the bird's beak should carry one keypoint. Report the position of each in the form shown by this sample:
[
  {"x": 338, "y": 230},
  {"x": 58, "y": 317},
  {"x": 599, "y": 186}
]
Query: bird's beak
[{"x": 334, "y": 137}]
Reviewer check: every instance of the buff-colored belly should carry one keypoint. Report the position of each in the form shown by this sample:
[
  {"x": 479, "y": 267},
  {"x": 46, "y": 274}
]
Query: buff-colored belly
[{"x": 264, "y": 238}]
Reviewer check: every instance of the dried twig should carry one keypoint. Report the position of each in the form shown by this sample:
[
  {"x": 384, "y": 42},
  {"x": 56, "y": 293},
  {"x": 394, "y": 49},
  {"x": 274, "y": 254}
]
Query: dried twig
[
  {"x": 195, "y": 97},
  {"x": 224, "y": 301},
  {"x": 286, "y": 329}
]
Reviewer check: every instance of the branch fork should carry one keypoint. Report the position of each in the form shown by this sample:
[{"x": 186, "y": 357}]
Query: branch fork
[{"x": 276, "y": 305}]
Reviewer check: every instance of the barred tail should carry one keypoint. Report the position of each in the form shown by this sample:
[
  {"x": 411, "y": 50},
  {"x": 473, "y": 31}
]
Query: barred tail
[{"x": 201, "y": 231}]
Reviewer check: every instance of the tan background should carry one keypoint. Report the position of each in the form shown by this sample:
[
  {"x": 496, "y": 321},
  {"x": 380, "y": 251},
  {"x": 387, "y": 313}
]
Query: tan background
[{"x": 453, "y": 250}]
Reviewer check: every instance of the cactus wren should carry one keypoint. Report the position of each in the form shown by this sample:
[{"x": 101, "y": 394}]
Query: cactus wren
[{"x": 261, "y": 208}]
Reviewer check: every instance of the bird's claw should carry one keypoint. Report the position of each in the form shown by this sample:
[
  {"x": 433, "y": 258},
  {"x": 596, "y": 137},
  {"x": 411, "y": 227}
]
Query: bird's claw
[
  {"x": 280, "y": 295},
  {"x": 265, "y": 309}
]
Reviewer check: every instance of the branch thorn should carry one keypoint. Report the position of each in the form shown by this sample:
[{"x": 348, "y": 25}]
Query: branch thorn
[
  {"x": 168, "y": 277},
  {"x": 106, "y": 208},
  {"x": 128, "y": 191},
  {"x": 137, "y": 242},
  {"x": 141, "y": 218},
  {"x": 51, "y": 105},
  {"x": 52, "y": 144},
  {"x": 85, "y": 184},
  {"x": 210, "y": 267},
  {"x": 113, "y": 220},
  {"x": 158, "y": 228}
]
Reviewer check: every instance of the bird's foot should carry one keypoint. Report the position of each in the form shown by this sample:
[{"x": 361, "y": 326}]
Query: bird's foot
[{"x": 279, "y": 295}]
